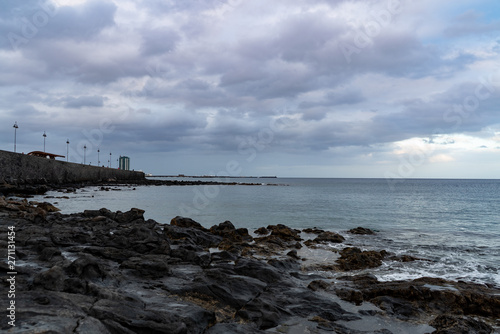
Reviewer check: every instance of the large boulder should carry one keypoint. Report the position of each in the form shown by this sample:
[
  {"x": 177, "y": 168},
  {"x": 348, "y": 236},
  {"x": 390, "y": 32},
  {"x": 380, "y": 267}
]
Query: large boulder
[{"x": 352, "y": 258}]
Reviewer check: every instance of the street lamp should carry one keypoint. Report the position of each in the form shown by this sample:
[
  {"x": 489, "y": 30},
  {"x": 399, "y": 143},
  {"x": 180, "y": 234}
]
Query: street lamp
[
  {"x": 98, "y": 160},
  {"x": 84, "y": 153},
  {"x": 15, "y": 135},
  {"x": 44, "y": 136},
  {"x": 110, "y": 160},
  {"x": 67, "y": 150}
]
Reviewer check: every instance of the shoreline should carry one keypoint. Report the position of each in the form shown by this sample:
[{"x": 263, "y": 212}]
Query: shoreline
[
  {"x": 27, "y": 189},
  {"x": 113, "y": 272}
]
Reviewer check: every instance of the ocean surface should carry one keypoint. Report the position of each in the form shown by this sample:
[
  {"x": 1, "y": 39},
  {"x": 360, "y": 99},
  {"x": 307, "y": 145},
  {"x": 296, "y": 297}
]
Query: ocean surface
[{"x": 453, "y": 224}]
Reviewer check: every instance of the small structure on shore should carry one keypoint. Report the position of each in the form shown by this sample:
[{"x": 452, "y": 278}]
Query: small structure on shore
[{"x": 46, "y": 155}]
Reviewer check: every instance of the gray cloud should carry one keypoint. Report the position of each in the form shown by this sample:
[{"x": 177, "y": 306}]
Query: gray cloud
[
  {"x": 470, "y": 23},
  {"x": 205, "y": 76},
  {"x": 91, "y": 101}
]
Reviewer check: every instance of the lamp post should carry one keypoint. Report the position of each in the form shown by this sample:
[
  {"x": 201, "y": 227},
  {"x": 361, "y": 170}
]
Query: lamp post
[
  {"x": 110, "y": 160},
  {"x": 98, "y": 160},
  {"x": 44, "y": 136},
  {"x": 84, "y": 153},
  {"x": 15, "y": 135},
  {"x": 67, "y": 150}
]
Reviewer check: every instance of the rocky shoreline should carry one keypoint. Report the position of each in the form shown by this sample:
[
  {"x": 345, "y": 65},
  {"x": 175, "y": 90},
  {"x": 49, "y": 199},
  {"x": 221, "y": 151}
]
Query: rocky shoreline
[
  {"x": 114, "y": 272},
  {"x": 29, "y": 189}
]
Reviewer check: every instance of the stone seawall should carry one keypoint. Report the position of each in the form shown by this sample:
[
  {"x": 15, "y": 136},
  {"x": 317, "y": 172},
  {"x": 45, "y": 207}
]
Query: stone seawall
[{"x": 18, "y": 169}]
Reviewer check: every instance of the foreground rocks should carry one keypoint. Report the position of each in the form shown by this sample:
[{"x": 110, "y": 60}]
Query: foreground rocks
[{"x": 115, "y": 272}]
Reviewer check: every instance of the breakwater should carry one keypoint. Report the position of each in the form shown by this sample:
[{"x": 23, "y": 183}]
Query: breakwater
[{"x": 21, "y": 169}]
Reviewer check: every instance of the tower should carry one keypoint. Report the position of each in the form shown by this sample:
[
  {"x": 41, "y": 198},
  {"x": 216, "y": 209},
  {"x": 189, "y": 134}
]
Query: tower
[{"x": 124, "y": 163}]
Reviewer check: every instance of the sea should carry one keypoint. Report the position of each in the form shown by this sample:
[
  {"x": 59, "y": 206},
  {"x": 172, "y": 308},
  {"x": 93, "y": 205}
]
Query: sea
[{"x": 452, "y": 225}]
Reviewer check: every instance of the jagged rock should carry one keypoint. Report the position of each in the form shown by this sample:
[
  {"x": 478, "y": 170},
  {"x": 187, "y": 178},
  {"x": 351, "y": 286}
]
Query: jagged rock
[
  {"x": 352, "y": 258},
  {"x": 113, "y": 272},
  {"x": 262, "y": 231},
  {"x": 129, "y": 216},
  {"x": 313, "y": 230},
  {"x": 191, "y": 236},
  {"x": 186, "y": 222},
  {"x": 329, "y": 237},
  {"x": 48, "y": 207},
  {"x": 284, "y": 232},
  {"x": 152, "y": 266},
  {"x": 446, "y": 324},
  {"x": 293, "y": 254},
  {"x": 229, "y": 232},
  {"x": 256, "y": 269},
  {"x": 48, "y": 253},
  {"x": 52, "y": 279},
  {"x": 87, "y": 267}
]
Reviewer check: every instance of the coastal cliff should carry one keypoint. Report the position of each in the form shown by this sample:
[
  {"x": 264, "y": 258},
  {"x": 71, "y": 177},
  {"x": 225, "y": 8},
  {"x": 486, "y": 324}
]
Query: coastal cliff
[{"x": 21, "y": 169}]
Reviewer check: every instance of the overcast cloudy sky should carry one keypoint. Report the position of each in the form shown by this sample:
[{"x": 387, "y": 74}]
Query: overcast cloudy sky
[{"x": 326, "y": 88}]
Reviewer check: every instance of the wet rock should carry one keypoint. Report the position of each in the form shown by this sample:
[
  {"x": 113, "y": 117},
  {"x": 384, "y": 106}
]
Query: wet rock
[
  {"x": 313, "y": 230},
  {"x": 48, "y": 207},
  {"x": 325, "y": 237},
  {"x": 262, "y": 231},
  {"x": 318, "y": 285},
  {"x": 87, "y": 267},
  {"x": 352, "y": 258},
  {"x": 116, "y": 254},
  {"x": 222, "y": 328},
  {"x": 293, "y": 254},
  {"x": 285, "y": 264},
  {"x": 223, "y": 256},
  {"x": 191, "y": 236},
  {"x": 48, "y": 253},
  {"x": 112, "y": 272},
  {"x": 227, "y": 231},
  {"x": 397, "y": 307},
  {"x": 284, "y": 232},
  {"x": 361, "y": 231},
  {"x": 446, "y": 324},
  {"x": 91, "y": 325},
  {"x": 257, "y": 269},
  {"x": 351, "y": 295},
  {"x": 412, "y": 299},
  {"x": 129, "y": 216},
  {"x": 186, "y": 222},
  {"x": 189, "y": 254},
  {"x": 52, "y": 279},
  {"x": 168, "y": 319},
  {"x": 151, "y": 266}
]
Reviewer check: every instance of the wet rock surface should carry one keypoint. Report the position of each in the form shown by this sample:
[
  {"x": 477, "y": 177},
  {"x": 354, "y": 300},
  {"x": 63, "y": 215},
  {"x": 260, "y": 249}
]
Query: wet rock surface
[{"x": 115, "y": 272}]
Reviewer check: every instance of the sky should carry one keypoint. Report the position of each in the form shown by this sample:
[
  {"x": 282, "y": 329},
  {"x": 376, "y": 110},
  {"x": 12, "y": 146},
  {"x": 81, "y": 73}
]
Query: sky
[{"x": 292, "y": 88}]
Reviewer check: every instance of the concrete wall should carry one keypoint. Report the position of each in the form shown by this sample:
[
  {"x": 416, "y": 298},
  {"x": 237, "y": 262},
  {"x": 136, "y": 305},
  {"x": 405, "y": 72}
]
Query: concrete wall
[{"x": 16, "y": 168}]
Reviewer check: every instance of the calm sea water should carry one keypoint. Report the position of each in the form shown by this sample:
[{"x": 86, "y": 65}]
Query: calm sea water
[{"x": 453, "y": 223}]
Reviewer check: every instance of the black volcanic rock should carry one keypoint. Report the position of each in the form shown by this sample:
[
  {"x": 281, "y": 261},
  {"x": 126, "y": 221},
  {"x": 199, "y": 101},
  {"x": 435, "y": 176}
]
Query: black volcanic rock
[
  {"x": 113, "y": 272},
  {"x": 361, "y": 231},
  {"x": 352, "y": 258}
]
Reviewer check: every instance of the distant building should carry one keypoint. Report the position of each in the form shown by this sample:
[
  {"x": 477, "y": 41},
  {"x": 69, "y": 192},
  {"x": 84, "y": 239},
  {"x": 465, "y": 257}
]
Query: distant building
[{"x": 124, "y": 163}]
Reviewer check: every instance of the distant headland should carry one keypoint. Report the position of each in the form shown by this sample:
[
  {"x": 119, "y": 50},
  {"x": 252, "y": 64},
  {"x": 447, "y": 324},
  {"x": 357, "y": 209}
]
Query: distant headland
[{"x": 214, "y": 176}]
